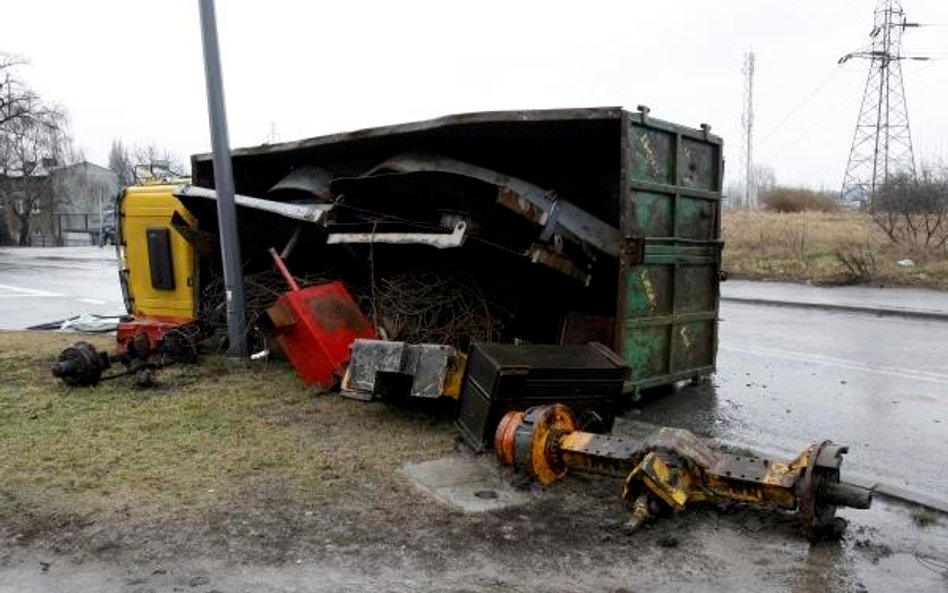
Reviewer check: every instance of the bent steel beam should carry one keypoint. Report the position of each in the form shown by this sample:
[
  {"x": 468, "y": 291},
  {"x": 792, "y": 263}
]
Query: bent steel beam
[
  {"x": 314, "y": 213},
  {"x": 540, "y": 206}
]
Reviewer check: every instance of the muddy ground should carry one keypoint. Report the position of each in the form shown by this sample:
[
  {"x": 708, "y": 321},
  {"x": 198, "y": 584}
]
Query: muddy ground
[
  {"x": 571, "y": 540},
  {"x": 344, "y": 522}
]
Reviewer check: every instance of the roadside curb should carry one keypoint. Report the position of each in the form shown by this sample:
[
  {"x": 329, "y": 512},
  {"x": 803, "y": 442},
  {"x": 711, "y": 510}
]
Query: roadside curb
[{"x": 878, "y": 311}]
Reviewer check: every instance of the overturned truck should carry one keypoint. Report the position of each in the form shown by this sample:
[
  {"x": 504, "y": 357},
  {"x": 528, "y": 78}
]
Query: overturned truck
[{"x": 544, "y": 227}]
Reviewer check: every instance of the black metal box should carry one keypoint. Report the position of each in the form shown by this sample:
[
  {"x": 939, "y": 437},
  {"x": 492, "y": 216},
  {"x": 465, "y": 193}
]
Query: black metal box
[{"x": 504, "y": 377}]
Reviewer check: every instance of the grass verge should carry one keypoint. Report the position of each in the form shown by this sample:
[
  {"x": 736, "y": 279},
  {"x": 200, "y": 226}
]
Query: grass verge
[
  {"x": 823, "y": 248},
  {"x": 206, "y": 433}
]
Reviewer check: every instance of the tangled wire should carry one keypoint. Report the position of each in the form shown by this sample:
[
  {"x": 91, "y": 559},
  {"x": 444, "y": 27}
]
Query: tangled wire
[
  {"x": 261, "y": 290},
  {"x": 421, "y": 307},
  {"x": 425, "y": 307}
]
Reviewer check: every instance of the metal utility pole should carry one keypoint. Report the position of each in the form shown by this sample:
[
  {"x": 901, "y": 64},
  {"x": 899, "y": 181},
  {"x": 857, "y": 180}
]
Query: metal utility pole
[
  {"x": 224, "y": 185},
  {"x": 882, "y": 143},
  {"x": 748, "y": 182}
]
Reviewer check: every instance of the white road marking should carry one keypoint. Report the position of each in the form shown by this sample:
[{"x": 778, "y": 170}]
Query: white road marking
[
  {"x": 92, "y": 301},
  {"x": 900, "y": 372},
  {"x": 18, "y": 291}
]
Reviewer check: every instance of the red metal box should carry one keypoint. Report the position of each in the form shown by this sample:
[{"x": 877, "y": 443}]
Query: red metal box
[{"x": 315, "y": 326}]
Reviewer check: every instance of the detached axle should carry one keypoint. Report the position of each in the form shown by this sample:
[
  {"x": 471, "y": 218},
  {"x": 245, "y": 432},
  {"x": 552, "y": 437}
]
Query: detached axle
[
  {"x": 81, "y": 364},
  {"x": 143, "y": 348},
  {"x": 671, "y": 469}
]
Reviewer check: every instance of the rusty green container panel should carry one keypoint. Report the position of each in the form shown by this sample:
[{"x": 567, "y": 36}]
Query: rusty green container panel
[
  {"x": 668, "y": 306},
  {"x": 671, "y": 306},
  {"x": 658, "y": 182}
]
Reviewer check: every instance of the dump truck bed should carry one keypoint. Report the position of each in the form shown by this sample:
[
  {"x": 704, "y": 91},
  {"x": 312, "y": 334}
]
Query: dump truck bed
[{"x": 658, "y": 184}]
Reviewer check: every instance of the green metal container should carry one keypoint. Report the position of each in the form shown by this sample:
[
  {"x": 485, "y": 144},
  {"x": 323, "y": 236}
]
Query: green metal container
[
  {"x": 658, "y": 183},
  {"x": 667, "y": 321}
]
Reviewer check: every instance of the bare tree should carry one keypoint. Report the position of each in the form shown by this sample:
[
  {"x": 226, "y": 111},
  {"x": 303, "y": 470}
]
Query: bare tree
[
  {"x": 153, "y": 163},
  {"x": 121, "y": 163},
  {"x": 29, "y": 149},
  {"x": 32, "y": 137},
  {"x": 16, "y": 102},
  {"x": 143, "y": 163},
  {"x": 765, "y": 179},
  {"x": 914, "y": 211}
]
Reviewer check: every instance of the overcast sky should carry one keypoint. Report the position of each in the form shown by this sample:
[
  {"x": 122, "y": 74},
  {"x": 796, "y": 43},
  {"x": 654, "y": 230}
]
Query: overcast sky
[{"x": 132, "y": 69}]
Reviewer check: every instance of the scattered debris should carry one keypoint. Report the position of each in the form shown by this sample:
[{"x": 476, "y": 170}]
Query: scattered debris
[
  {"x": 435, "y": 307},
  {"x": 143, "y": 347},
  {"x": 85, "y": 323},
  {"x": 315, "y": 326},
  {"x": 672, "y": 469},
  {"x": 504, "y": 377},
  {"x": 398, "y": 369},
  {"x": 261, "y": 290}
]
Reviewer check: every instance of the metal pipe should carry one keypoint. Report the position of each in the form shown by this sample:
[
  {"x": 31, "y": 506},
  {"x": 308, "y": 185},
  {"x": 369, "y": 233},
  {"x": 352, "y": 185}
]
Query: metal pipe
[
  {"x": 291, "y": 244},
  {"x": 283, "y": 270},
  {"x": 224, "y": 185},
  {"x": 847, "y": 495}
]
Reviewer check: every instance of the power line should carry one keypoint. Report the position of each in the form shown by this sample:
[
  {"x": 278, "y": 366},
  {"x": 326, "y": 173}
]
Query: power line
[
  {"x": 777, "y": 149},
  {"x": 832, "y": 73}
]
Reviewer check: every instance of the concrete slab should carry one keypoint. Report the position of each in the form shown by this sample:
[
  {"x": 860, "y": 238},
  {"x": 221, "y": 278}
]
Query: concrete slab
[{"x": 468, "y": 483}]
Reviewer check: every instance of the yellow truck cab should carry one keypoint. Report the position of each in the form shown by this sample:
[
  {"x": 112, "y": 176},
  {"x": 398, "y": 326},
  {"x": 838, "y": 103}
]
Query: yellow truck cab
[{"x": 156, "y": 264}]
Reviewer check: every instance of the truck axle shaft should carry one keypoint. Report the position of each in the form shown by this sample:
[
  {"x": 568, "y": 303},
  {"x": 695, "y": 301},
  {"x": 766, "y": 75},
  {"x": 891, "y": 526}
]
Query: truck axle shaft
[{"x": 671, "y": 469}]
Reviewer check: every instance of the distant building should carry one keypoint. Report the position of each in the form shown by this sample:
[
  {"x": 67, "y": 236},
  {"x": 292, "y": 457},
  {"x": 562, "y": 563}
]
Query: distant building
[{"x": 65, "y": 203}]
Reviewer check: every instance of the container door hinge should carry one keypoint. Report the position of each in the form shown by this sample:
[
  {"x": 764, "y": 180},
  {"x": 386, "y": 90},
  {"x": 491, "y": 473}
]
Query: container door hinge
[{"x": 633, "y": 250}]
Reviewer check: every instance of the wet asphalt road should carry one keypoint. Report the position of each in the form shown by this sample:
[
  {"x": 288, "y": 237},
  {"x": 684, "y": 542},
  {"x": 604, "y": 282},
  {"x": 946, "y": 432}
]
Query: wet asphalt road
[
  {"x": 38, "y": 285},
  {"x": 786, "y": 376}
]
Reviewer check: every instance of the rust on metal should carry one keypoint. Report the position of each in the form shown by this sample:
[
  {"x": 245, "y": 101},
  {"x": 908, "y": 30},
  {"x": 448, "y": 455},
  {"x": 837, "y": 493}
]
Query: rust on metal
[
  {"x": 673, "y": 469},
  {"x": 504, "y": 438},
  {"x": 509, "y": 198},
  {"x": 549, "y": 424},
  {"x": 599, "y": 453},
  {"x": 280, "y": 318}
]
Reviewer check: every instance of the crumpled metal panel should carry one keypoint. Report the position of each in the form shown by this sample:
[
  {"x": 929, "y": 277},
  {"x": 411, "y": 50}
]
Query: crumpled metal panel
[
  {"x": 540, "y": 206},
  {"x": 427, "y": 364},
  {"x": 307, "y": 180}
]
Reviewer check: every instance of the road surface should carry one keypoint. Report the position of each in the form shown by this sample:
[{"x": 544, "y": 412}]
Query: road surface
[
  {"x": 38, "y": 285},
  {"x": 788, "y": 376}
]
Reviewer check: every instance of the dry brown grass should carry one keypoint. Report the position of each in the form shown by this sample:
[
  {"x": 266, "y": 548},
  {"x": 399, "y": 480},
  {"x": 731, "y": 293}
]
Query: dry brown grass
[{"x": 806, "y": 247}]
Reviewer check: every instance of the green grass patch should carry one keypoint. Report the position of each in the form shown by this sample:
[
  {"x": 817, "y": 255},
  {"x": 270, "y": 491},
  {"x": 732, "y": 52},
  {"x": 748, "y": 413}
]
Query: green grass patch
[{"x": 205, "y": 433}]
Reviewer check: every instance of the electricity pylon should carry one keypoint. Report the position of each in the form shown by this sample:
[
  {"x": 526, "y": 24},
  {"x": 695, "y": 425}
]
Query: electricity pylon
[
  {"x": 882, "y": 144},
  {"x": 747, "y": 182}
]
